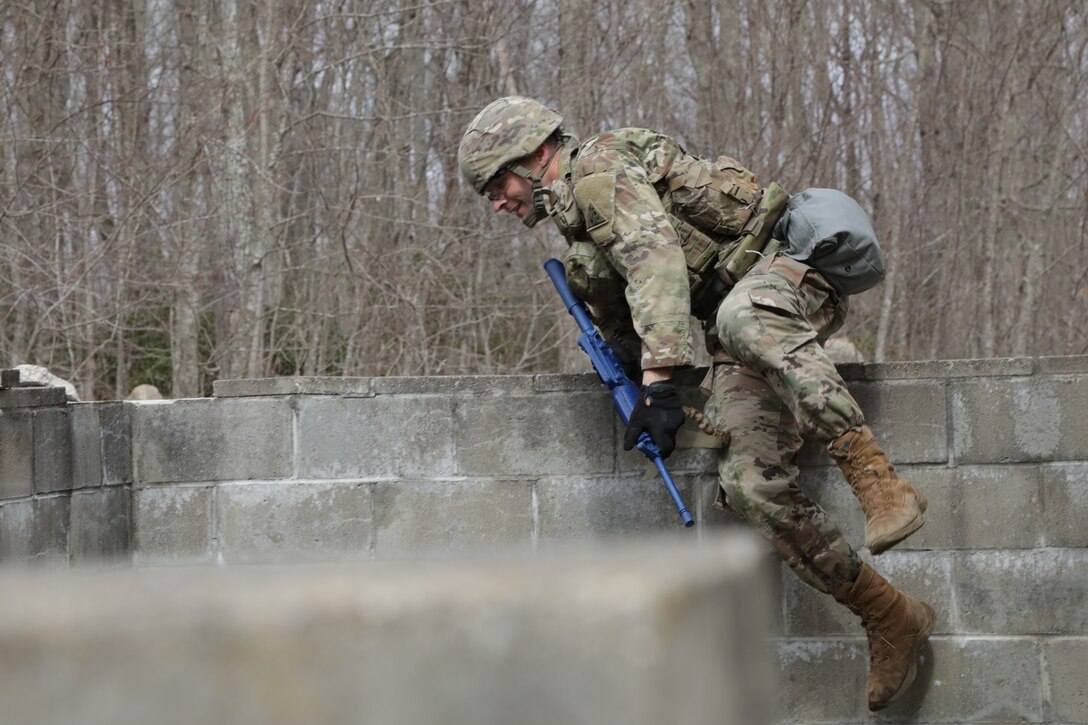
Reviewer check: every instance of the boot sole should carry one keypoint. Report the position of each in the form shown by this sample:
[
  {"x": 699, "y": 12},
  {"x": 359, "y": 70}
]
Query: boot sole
[
  {"x": 884, "y": 543},
  {"x": 921, "y": 639}
]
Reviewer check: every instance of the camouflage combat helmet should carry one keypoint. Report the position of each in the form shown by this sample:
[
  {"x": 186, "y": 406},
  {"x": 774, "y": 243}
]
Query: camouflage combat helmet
[{"x": 505, "y": 131}]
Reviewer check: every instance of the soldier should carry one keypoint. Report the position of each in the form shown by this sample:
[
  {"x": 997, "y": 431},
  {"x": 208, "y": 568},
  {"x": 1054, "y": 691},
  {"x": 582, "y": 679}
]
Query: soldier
[{"x": 656, "y": 235}]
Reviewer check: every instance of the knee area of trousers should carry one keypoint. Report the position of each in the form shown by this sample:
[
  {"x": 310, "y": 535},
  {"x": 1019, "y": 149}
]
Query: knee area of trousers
[
  {"x": 746, "y": 480},
  {"x": 740, "y": 502},
  {"x": 729, "y": 318},
  {"x": 734, "y": 328}
]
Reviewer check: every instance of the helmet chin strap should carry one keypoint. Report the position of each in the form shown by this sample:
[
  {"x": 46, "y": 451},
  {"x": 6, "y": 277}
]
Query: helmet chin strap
[{"x": 538, "y": 211}]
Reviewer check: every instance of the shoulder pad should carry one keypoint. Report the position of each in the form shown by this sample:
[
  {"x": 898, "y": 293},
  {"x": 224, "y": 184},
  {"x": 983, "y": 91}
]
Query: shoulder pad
[{"x": 596, "y": 197}]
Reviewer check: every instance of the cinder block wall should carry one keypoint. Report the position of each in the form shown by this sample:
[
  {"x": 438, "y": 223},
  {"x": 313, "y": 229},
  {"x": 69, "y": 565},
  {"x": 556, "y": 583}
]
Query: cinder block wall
[
  {"x": 65, "y": 479},
  {"x": 312, "y": 469}
]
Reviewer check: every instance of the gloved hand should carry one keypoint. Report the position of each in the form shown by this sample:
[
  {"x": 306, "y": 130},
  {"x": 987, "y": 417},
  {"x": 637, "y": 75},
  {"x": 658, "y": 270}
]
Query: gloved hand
[
  {"x": 623, "y": 356},
  {"x": 658, "y": 412}
]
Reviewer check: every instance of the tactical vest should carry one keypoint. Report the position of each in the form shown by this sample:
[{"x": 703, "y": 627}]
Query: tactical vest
[
  {"x": 721, "y": 215},
  {"x": 724, "y": 221}
]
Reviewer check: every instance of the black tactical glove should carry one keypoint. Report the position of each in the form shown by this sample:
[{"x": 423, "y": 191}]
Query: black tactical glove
[
  {"x": 658, "y": 412},
  {"x": 627, "y": 361}
]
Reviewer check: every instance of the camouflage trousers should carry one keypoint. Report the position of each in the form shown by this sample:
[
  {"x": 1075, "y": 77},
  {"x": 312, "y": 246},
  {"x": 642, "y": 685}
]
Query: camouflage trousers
[{"x": 771, "y": 385}]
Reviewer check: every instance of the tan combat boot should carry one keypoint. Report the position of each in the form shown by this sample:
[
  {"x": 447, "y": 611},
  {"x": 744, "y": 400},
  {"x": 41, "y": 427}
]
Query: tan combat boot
[
  {"x": 897, "y": 625},
  {"x": 893, "y": 510}
]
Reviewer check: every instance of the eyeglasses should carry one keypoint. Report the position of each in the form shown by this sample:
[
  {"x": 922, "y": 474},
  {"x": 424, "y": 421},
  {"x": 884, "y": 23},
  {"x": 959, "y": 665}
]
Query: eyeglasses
[{"x": 495, "y": 194}]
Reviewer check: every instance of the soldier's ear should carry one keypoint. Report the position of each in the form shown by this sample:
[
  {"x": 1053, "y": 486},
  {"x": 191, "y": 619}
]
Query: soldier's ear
[{"x": 541, "y": 152}]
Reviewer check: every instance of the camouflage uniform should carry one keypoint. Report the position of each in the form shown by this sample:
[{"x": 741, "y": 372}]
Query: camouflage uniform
[
  {"x": 771, "y": 381},
  {"x": 612, "y": 183},
  {"x": 656, "y": 234},
  {"x": 772, "y": 384}
]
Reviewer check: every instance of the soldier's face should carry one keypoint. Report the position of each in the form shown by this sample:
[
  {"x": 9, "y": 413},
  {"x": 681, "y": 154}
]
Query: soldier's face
[{"x": 511, "y": 193}]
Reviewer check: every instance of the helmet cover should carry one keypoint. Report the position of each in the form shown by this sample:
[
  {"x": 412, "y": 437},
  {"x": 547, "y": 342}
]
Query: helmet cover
[{"x": 504, "y": 131}]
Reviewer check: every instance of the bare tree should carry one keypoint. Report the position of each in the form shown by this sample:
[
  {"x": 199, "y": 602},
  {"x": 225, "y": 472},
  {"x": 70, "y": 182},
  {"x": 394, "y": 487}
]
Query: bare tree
[{"x": 211, "y": 189}]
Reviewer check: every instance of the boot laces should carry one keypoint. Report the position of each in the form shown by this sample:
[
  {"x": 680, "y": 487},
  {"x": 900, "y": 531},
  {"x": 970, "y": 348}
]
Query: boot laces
[
  {"x": 866, "y": 477},
  {"x": 880, "y": 648}
]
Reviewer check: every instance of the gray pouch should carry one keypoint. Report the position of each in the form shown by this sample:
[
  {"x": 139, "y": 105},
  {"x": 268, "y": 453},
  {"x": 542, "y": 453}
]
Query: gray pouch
[{"x": 829, "y": 231}]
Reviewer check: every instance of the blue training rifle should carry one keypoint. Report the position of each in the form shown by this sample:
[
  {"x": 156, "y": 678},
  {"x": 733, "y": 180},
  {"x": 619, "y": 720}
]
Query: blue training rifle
[{"x": 624, "y": 391}]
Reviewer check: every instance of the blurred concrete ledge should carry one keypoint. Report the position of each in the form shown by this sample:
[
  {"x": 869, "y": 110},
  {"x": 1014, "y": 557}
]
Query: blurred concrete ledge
[{"x": 641, "y": 634}]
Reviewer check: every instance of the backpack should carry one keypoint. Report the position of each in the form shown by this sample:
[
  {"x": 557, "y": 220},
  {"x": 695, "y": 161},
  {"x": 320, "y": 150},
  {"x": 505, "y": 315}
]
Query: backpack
[{"x": 830, "y": 232}]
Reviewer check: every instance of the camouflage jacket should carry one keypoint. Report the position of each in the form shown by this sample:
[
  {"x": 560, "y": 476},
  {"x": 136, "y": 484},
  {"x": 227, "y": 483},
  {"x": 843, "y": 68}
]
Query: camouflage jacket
[
  {"x": 645, "y": 223},
  {"x": 624, "y": 256}
]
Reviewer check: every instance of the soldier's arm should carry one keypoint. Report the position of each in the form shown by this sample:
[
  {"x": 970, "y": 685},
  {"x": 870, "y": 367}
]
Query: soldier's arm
[{"x": 624, "y": 215}]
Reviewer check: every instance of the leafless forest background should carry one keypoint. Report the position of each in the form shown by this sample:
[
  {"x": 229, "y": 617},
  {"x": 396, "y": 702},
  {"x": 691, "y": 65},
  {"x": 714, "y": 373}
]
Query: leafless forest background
[{"x": 193, "y": 189}]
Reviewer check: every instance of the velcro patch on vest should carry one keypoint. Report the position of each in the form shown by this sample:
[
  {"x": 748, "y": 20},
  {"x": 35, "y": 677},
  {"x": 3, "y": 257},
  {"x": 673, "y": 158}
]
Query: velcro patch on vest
[
  {"x": 594, "y": 217},
  {"x": 596, "y": 195}
]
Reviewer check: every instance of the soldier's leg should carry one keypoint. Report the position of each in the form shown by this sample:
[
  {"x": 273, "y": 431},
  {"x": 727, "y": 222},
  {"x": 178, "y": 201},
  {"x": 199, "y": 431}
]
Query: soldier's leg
[
  {"x": 758, "y": 479},
  {"x": 773, "y": 327},
  {"x": 774, "y": 322}
]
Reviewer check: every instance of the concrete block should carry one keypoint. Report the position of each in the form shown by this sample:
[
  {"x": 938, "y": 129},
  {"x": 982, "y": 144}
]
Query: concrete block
[
  {"x": 974, "y": 680},
  {"x": 1065, "y": 504},
  {"x": 821, "y": 680},
  {"x": 35, "y": 531},
  {"x": 49, "y": 529},
  {"x": 247, "y": 387},
  {"x": 86, "y": 436},
  {"x": 455, "y": 385},
  {"x": 1066, "y": 662},
  {"x": 301, "y": 385},
  {"x": 1065, "y": 364},
  {"x": 922, "y": 369},
  {"x": 113, "y": 420},
  {"x": 642, "y": 636},
  {"x": 382, "y": 437},
  {"x": 593, "y": 509},
  {"x": 288, "y": 522},
  {"x": 417, "y": 518},
  {"x": 16, "y": 454},
  {"x": 172, "y": 525},
  {"x": 528, "y": 435},
  {"x": 100, "y": 526},
  {"x": 52, "y": 451},
  {"x": 16, "y": 528},
  {"x": 1022, "y": 592},
  {"x": 977, "y": 507},
  {"x": 211, "y": 440},
  {"x": 909, "y": 418},
  {"x": 1030, "y": 419},
  {"x": 567, "y": 383},
  {"x": 32, "y": 398}
]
